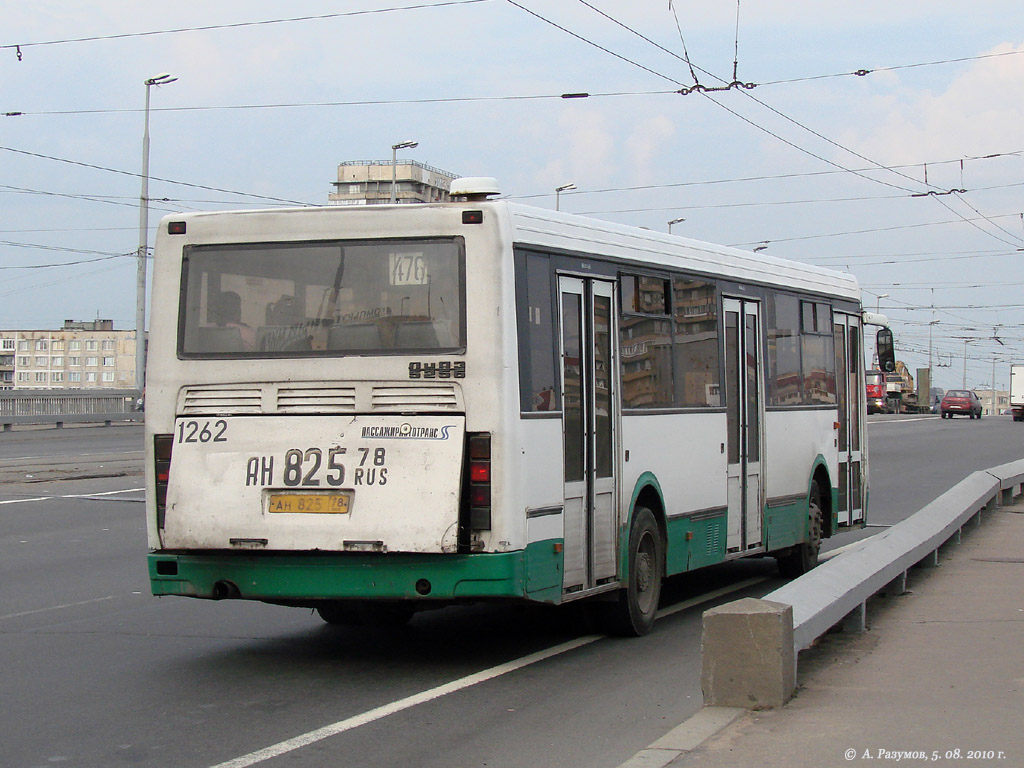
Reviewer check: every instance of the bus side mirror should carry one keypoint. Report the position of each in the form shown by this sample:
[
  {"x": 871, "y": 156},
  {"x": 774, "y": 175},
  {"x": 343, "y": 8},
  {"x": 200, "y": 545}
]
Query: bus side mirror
[{"x": 886, "y": 350}]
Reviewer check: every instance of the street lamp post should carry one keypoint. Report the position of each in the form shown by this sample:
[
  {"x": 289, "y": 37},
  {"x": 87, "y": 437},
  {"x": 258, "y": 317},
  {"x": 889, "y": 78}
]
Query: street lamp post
[
  {"x": 560, "y": 190},
  {"x": 674, "y": 221},
  {"x": 394, "y": 165},
  {"x": 931, "y": 325},
  {"x": 993, "y": 386},
  {"x": 966, "y": 342},
  {"x": 143, "y": 252},
  {"x": 878, "y": 301}
]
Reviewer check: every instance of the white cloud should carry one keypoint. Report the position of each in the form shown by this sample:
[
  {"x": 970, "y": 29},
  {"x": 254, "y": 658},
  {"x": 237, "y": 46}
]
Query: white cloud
[
  {"x": 587, "y": 150},
  {"x": 980, "y": 112},
  {"x": 649, "y": 141}
]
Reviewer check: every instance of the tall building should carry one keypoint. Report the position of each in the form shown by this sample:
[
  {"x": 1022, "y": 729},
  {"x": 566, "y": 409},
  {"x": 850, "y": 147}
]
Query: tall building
[
  {"x": 81, "y": 355},
  {"x": 368, "y": 182}
]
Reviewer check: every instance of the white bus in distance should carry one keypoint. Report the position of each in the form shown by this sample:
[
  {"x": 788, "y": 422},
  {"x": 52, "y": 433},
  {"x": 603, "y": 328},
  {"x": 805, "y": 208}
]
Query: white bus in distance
[{"x": 374, "y": 410}]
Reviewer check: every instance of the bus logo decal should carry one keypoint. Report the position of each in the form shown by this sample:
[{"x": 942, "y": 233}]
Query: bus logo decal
[{"x": 407, "y": 431}]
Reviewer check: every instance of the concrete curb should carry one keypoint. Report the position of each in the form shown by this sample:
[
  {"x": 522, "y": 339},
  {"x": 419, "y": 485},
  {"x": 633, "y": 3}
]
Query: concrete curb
[{"x": 685, "y": 737}]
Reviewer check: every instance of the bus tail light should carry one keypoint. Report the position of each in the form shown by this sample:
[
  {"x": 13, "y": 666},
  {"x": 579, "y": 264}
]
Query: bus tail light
[
  {"x": 162, "y": 460},
  {"x": 478, "y": 495}
]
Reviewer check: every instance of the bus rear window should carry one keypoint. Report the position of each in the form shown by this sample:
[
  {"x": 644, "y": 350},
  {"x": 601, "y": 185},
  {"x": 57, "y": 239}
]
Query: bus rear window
[{"x": 322, "y": 298}]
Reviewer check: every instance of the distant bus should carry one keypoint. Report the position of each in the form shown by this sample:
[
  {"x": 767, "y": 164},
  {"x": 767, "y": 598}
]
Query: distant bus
[{"x": 376, "y": 410}]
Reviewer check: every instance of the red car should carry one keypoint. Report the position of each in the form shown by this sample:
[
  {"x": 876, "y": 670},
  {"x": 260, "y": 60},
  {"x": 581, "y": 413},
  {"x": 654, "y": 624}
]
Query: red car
[{"x": 961, "y": 401}]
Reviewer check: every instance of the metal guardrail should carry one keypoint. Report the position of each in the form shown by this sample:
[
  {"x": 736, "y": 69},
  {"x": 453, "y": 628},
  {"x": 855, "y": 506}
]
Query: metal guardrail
[
  {"x": 61, "y": 406},
  {"x": 836, "y": 592},
  {"x": 838, "y": 589}
]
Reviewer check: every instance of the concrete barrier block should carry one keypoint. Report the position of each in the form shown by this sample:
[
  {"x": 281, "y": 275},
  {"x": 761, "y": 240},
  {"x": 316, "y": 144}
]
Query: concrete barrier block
[{"x": 747, "y": 655}]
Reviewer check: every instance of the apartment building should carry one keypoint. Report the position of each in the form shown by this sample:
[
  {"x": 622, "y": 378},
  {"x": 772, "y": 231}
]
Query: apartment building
[
  {"x": 81, "y": 355},
  {"x": 366, "y": 182}
]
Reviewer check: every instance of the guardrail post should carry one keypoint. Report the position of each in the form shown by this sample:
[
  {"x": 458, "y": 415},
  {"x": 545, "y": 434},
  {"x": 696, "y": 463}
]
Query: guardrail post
[
  {"x": 897, "y": 586},
  {"x": 857, "y": 619},
  {"x": 747, "y": 654}
]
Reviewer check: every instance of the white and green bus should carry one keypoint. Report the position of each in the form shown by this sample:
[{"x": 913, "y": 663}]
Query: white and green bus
[{"x": 371, "y": 410}]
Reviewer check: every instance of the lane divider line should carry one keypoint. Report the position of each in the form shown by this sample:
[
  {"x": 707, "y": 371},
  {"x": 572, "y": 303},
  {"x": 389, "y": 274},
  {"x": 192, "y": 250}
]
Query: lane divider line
[
  {"x": 311, "y": 737},
  {"x": 72, "y": 496},
  {"x": 57, "y": 607}
]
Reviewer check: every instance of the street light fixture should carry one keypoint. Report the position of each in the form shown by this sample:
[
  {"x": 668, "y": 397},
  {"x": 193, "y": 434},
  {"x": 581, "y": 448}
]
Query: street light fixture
[
  {"x": 674, "y": 221},
  {"x": 560, "y": 190},
  {"x": 394, "y": 165},
  {"x": 878, "y": 301},
  {"x": 140, "y": 287},
  {"x": 966, "y": 342}
]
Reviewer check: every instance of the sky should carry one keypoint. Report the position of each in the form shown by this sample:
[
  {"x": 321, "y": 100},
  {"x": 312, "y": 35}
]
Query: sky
[{"x": 879, "y": 138}]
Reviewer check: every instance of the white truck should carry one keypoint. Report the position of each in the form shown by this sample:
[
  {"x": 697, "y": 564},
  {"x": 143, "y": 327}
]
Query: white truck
[{"x": 1017, "y": 392}]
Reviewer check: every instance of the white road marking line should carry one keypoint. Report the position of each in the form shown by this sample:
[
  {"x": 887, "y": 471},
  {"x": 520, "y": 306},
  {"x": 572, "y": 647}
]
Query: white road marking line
[
  {"x": 51, "y": 457},
  {"x": 711, "y": 595},
  {"x": 304, "y": 740},
  {"x": 72, "y": 496},
  {"x": 57, "y": 607},
  {"x": 102, "y": 493}
]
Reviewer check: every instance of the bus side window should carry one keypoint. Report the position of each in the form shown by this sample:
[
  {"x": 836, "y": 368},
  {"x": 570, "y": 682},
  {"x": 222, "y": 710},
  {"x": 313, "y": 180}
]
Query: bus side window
[{"x": 537, "y": 370}]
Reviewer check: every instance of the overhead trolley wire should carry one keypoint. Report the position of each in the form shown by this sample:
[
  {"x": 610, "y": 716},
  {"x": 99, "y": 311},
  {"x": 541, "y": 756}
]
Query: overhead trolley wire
[
  {"x": 152, "y": 178},
  {"x": 866, "y": 72},
  {"x": 234, "y": 25},
  {"x": 351, "y": 103},
  {"x": 591, "y": 42},
  {"x": 808, "y": 129}
]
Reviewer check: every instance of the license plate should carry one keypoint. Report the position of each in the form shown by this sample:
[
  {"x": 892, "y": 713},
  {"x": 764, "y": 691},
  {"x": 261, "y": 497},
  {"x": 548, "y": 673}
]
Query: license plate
[{"x": 310, "y": 502}]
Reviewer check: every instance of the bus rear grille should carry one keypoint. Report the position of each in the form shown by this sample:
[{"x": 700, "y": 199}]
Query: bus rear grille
[
  {"x": 412, "y": 398},
  {"x": 199, "y": 401},
  {"x": 316, "y": 400}
]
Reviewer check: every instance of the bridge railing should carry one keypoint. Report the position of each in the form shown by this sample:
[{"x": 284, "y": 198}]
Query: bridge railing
[{"x": 66, "y": 406}]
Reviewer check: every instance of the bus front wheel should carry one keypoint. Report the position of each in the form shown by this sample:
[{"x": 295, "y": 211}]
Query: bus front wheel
[{"x": 634, "y": 611}]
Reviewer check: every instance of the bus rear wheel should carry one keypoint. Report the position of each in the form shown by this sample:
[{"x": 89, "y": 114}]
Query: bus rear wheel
[
  {"x": 339, "y": 613},
  {"x": 803, "y": 557},
  {"x": 634, "y": 611}
]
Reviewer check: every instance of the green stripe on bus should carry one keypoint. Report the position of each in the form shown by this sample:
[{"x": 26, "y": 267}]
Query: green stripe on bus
[{"x": 534, "y": 573}]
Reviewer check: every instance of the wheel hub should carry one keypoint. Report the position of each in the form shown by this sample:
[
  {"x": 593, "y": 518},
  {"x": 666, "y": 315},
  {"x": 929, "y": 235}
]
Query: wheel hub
[{"x": 643, "y": 572}]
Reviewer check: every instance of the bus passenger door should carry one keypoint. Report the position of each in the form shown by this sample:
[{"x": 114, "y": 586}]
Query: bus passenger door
[
  {"x": 588, "y": 420},
  {"x": 744, "y": 409},
  {"x": 850, "y": 395}
]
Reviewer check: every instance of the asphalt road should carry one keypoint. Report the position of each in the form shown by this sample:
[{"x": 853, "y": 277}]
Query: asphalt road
[{"x": 99, "y": 673}]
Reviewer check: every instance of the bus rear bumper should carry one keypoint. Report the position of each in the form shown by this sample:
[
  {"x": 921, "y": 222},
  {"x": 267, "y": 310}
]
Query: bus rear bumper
[{"x": 302, "y": 578}]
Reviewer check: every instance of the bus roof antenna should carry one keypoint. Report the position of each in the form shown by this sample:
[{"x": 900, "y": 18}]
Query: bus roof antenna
[{"x": 474, "y": 188}]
